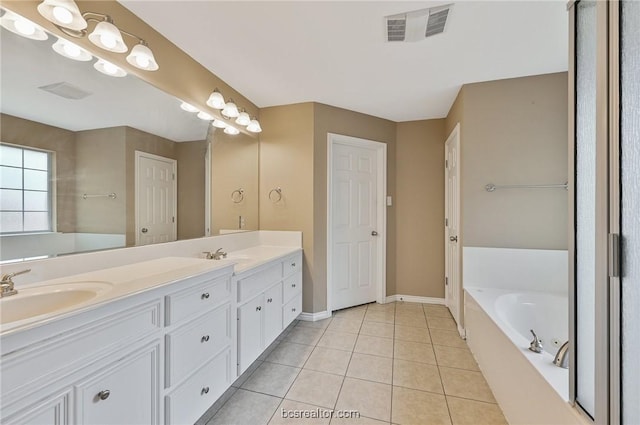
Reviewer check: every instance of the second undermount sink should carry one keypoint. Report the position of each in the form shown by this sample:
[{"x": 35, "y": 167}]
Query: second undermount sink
[{"x": 41, "y": 300}]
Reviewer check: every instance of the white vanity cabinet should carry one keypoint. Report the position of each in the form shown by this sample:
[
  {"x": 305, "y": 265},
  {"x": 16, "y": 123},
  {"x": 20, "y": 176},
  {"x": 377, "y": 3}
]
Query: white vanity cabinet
[
  {"x": 160, "y": 356},
  {"x": 269, "y": 299}
]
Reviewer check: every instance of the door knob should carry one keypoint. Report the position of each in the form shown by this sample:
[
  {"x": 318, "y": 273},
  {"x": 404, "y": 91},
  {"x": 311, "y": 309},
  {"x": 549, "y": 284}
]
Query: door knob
[
  {"x": 374, "y": 233},
  {"x": 144, "y": 230},
  {"x": 453, "y": 238}
]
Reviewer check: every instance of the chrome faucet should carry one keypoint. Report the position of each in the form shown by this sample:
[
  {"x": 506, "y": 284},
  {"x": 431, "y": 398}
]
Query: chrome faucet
[
  {"x": 562, "y": 356},
  {"x": 7, "y": 283},
  {"x": 536, "y": 344},
  {"x": 218, "y": 255}
]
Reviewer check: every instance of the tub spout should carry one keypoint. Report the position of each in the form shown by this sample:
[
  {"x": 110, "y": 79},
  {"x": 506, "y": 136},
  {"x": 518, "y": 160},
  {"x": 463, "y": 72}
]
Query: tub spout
[
  {"x": 536, "y": 344},
  {"x": 562, "y": 356}
]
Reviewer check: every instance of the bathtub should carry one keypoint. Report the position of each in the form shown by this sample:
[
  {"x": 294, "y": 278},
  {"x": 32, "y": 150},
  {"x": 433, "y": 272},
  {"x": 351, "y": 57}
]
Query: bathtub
[{"x": 528, "y": 386}]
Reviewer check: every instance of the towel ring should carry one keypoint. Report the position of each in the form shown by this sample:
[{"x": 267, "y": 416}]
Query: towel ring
[
  {"x": 278, "y": 192},
  {"x": 237, "y": 196}
]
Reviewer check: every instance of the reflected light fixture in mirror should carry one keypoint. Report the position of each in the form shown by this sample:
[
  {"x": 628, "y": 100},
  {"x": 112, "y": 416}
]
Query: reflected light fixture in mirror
[
  {"x": 230, "y": 110},
  {"x": 216, "y": 100},
  {"x": 64, "y": 13},
  {"x": 109, "y": 69},
  {"x": 219, "y": 124},
  {"x": 231, "y": 130},
  {"x": 21, "y": 26},
  {"x": 204, "y": 116},
  {"x": 188, "y": 107},
  {"x": 254, "y": 126},
  {"x": 71, "y": 51}
]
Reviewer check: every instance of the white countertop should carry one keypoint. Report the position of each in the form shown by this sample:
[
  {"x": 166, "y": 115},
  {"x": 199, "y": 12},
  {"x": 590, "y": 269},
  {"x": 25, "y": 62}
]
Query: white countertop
[{"x": 123, "y": 281}]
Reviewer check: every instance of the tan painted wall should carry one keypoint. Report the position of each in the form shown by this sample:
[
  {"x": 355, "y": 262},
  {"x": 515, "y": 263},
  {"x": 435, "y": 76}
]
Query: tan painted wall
[
  {"x": 419, "y": 204},
  {"x": 234, "y": 165},
  {"x": 191, "y": 188},
  {"x": 515, "y": 132},
  {"x": 329, "y": 119},
  {"x": 23, "y": 132},
  {"x": 100, "y": 159},
  {"x": 286, "y": 161}
]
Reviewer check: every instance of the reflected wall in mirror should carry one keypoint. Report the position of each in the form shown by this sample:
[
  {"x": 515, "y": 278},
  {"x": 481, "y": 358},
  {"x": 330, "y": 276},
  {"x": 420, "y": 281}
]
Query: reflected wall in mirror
[{"x": 89, "y": 127}]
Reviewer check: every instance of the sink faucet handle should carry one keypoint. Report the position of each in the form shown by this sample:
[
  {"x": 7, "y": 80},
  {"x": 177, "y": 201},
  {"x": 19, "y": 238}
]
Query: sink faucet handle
[
  {"x": 208, "y": 254},
  {"x": 220, "y": 253},
  {"x": 7, "y": 277}
]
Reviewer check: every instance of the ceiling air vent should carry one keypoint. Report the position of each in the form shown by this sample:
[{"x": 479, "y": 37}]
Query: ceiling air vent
[
  {"x": 418, "y": 24},
  {"x": 66, "y": 90}
]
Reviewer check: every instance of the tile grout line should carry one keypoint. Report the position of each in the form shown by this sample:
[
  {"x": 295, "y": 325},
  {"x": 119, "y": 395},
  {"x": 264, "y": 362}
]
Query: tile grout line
[{"x": 444, "y": 393}]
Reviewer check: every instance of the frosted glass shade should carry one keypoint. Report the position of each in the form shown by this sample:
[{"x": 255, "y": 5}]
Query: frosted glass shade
[
  {"x": 188, "y": 107},
  {"x": 71, "y": 51},
  {"x": 219, "y": 124},
  {"x": 216, "y": 100},
  {"x": 243, "y": 119},
  {"x": 254, "y": 126},
  {"x": 231, "y": 130},
  {"x": 64, "y": 13},
  {"x": 230, "y": 110},
  {"x": 107, "y": 68},
  {"x": 23, "y": 27},
  {"x": 142, "y": 57},
  {"x": 204, "y": 116},
  {"x": 108, "y": 37}
]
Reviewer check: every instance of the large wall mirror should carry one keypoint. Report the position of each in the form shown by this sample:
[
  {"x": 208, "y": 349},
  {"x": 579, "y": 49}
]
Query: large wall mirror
[{"x": 90, "y": 161}]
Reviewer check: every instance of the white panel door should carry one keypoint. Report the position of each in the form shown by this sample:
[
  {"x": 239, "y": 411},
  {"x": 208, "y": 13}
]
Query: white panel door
[
  {"x": 453, "y": 286},
  {"x": 156, "y": 199},
  {"x": 354, "y": 220}
]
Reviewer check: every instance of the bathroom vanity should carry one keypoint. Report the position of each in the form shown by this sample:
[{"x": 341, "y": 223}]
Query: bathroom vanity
[{"x": 158, "y": 346}]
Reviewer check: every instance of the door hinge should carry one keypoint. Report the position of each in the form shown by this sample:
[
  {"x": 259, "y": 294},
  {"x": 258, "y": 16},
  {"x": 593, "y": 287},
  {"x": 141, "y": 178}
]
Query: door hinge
[
  {"x": 614, "y": 255},
  {"x": 173, "y": 176},
  {"x": 173, "y": 219},
  {"x": 446, "y": 163},
  {"x": 446, "y": 281},
  {"x": 446, "y": 222}
]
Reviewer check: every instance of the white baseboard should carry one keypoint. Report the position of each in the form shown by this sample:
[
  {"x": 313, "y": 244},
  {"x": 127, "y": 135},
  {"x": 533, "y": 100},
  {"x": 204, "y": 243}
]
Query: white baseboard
[
  {"x": 414, "y": 299},
  {"x": 314, "y": 317}
]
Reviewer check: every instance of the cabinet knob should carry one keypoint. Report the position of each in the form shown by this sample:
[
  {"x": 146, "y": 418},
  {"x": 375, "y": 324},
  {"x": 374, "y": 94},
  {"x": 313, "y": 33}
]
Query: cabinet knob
[
  {"x": 293, "y": 264},
  {"x": 269, "y": 300},
  {"x": 204, "y": 391},
  {"x": 258, "y": 308},
  {"x": 204, "y": 296},
  {"x": 293, "y": 309},
  {"x": 293, "y": 285},
  {"x": 104, "y": 394},
  {"x": 205, "y": 338}
]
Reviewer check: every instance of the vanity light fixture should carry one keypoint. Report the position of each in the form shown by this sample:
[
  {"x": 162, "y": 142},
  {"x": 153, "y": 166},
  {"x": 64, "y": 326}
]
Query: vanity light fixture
[
  {"x": 64, "y": 13},
  {"x": 108, "y": 37},
  {"x": 189, "y": 108},
  {"x": 204, "y": 116},
  {"x": 230, "y": 110},
  {"x": 107, "y": 68},
  {"x": 71, "y": 51},
  {"x": 216, "y": 100},
  {"x": 66, "y": 16},
  {"x": 243, "y": 119},
  {"x": 141, "y": 57},
  {"x": 254, "y": 126},
  {"x": 219, "y": 124},
  {"x": 21, "y": 26},
  {"x": 231, "y": 130}
]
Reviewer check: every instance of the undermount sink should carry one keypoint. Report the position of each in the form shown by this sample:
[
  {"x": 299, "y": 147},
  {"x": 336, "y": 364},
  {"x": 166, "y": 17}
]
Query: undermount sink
[{"x": 40, "y": 300}]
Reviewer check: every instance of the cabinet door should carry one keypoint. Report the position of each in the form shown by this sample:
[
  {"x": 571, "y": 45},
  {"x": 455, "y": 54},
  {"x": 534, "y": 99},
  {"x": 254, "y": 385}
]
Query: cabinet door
[
  {"x": 250, "y": 342},
  {"x": 126, "y": 392},
  {"x": 272, "y": 314},
  {"x": 54, "y": 410}
]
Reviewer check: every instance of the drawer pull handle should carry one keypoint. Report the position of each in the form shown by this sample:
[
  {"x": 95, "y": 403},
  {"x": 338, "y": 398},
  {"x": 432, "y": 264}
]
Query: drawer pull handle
[
  {"x": 258, "y": 308},
  {"x": 204, "y": 296},
  {"x": 204, "y": 391},
  {"x": 104, "y": 394},
  {"x": 269, "y": 300},
  {"x": 293, "y": 309},
  {"x": 293, "y": 264},
  {"x": 205, "y": 338},
  {"x": 293, "y": 285}
]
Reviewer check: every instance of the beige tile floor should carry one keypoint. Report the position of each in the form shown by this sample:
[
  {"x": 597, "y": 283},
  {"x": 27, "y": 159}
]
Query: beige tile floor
[{"x": 398, "y": 363}]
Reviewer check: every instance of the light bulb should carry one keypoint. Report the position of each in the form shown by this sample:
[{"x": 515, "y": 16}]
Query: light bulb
[
  {"x": 62, "y": 15},
  {"x": 72, "y": 50},
  {"x": 142, "y": 61},
  {"x": 25, "y": 27},
  {"x": 108, "y": 40},
  {"x": 187, "y": 107}
]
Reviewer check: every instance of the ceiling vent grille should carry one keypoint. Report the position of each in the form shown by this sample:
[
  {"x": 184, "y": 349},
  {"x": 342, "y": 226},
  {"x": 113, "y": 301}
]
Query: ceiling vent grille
[
  {"x": 417, "y": 25},
  {"x": 66, "y": 90}
]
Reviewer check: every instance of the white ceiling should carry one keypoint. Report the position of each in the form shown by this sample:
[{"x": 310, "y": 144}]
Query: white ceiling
[{"x": 335, "y": 52}]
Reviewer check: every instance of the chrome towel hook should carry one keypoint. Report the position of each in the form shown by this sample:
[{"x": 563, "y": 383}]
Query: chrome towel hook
[
  {"x": 278, "y": 195},
  {"x": 237, "y": 196}
]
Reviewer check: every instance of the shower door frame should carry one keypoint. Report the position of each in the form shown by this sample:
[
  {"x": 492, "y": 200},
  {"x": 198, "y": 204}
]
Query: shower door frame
[{"x": 608, "y": 201}]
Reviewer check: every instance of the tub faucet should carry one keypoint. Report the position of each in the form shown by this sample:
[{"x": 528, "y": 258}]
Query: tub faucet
[
  {"x": 562, "y": 356},
  {"x": 6, "y": 284},
  {"x": 536, "y": 344}
]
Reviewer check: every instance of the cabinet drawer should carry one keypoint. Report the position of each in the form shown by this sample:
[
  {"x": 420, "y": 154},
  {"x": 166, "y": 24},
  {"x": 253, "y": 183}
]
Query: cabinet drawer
[
  {"x": 252, "y": 285},
  {"x": 196, "y": 342},
  {"x": 292, "y": 286},
  {"x": 189, "y": 401},
  {"x": 197, "y": 299},
  {"x": 291, "y": 310},
  {"x": 292, "y": 264}
]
